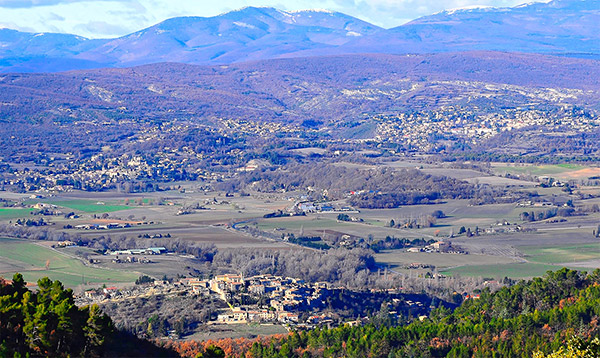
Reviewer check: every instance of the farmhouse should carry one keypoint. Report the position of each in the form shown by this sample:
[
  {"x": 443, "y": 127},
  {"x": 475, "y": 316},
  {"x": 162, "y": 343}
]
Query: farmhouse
[
  {"x": 66, "y": 243},
  {"x": 286, "y": 317},
  {"x": 441, "y": 246},
  {"x": 156, "y": 250},
  {"x": 149, "y": 251},
  {"x": 235, "y": 316},
  {"x": 307, "y": 207},
  {"x": 41, "y": 206}
]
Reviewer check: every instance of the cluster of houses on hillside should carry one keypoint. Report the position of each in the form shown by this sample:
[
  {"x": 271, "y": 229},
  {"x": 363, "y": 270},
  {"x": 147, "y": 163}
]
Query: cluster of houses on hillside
[
  {"x": 283, "y": 297},
  {"x": 267, "y": 298},
  {"x": 113, "y": 293},
  {"x": 449, "y": 122}
]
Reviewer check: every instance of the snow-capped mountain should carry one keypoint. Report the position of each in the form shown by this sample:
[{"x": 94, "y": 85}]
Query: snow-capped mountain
[
  {"x": 564, "y": 27},
  {"x": 250, "y": 33},
  {"x": 559, "y": 27}
]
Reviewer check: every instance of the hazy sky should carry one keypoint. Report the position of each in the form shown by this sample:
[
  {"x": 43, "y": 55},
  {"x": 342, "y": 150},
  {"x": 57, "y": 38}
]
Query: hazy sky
[{"x": 112, "y": 18}]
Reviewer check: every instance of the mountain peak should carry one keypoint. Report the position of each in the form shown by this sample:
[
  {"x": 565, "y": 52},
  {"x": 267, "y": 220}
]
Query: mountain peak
[
  {"x": 465, "y": 9},
  {"x": 322, "y": 11},
  {"x": 568, "y": 27},
  {"x": 248, "y": 10}
]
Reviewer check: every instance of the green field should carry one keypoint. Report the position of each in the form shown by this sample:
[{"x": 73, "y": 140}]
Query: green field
[
  {"x": 88, "y": 206},
  {"x": 540, "y": 261},
  {"x": 9, "y": 213},
  {"x": 563, "y": 254},
  {"x": 30, "y": 259},
  {"x": 512, "y": 270}
]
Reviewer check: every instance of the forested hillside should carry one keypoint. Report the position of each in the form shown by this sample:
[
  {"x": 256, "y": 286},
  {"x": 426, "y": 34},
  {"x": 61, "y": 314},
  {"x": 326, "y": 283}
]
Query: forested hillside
[
  {"x": 46, "y": 323},
  {"x": 374, "y": 187}
]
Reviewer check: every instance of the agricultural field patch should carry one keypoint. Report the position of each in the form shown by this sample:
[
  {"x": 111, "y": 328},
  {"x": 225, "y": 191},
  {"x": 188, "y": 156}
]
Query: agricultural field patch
[
  {"x": 583, "y": 173},
  {"x": 233, "y": 331},
  {"x": 317, "y": 225},
  {"x": 401, "y": 258},
  {"x": 563, "y": 254},
  {"x": 301, "y": 222},
  {"x": 88, "y": 206},
  {"x": 562, "y": 171},
  {"x": 309, "y": 151},
  {"x": 10, "y": 213},
  {"x": 159, "y": 265},
  {"x": 30, "y": 259},
  {"x": 409, "y": 164},
  {"x": 501, "y": 181},
  {"x": 517, "y": 270},
  {"x": 354, "y": 165}
]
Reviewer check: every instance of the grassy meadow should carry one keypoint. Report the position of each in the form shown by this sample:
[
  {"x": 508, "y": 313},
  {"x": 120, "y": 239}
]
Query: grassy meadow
[
  {"x": 89, "y": 206},
  {"x": 30, "y": 259},
  {"x": 563, "y": 254},
  {"x": 15, "y": 213},
  {"x": 515, "y": 270}
]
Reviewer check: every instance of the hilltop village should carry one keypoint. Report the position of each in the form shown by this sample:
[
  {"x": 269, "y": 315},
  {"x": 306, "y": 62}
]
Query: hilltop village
[{"x": 274, "y": 299}]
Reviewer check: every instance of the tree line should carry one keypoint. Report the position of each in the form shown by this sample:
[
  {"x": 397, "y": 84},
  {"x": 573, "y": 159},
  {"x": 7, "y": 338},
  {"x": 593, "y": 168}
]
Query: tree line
[
  {"x": 47, "y": 323},
  {"x": 374, "y": 187}
]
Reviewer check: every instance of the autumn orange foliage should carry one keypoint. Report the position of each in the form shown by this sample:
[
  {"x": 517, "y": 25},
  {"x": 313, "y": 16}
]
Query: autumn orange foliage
[{"x": 232, "y": 347}]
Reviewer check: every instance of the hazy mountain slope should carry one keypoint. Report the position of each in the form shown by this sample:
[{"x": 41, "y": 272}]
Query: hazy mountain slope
[
  {"x": 41, "y": 52},
  {"x": 15, "y": 43},
  {"x": 395, "y": 98},
  {"x": 292, "y": 90},
  {"x": 246, "y": 34},
  {"x": 559, "y": 27}
]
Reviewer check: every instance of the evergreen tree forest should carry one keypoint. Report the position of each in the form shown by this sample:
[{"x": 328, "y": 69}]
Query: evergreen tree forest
[{"x": 47, "y": 323}]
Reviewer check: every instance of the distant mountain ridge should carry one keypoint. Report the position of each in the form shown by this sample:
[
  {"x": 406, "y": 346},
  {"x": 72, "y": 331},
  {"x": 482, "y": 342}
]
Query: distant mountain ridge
[
  {"x": 560, "y": 26},
  {"x": 563, "y": 27},
  {"x": 248, "y": 34}
]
